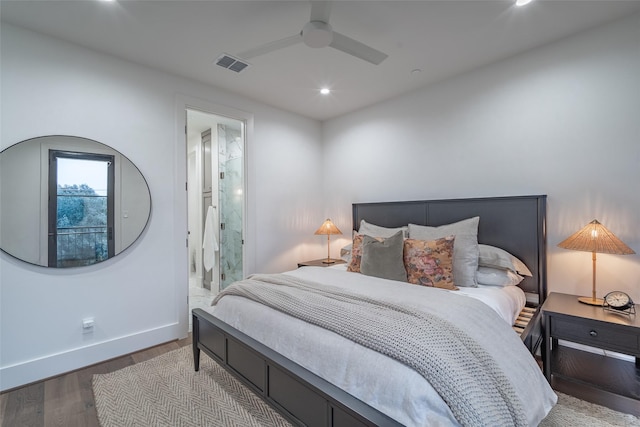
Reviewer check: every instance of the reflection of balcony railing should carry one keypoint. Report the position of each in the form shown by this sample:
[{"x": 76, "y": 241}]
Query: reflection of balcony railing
[{"x": 78, "y": 246}]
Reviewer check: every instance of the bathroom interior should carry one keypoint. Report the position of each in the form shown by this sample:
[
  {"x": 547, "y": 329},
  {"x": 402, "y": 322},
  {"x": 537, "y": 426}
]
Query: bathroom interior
[{"x": 215, "y": 194}]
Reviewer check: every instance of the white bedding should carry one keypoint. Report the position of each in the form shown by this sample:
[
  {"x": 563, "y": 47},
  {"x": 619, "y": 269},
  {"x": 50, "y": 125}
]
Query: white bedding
[
  {"x": 507, "y": 301},
  {"x": 378, "y": 380}
]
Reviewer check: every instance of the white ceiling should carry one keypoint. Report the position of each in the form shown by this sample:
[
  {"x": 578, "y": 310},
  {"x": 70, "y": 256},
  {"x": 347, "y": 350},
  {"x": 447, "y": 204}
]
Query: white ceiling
[{"x": 442, "y": 38}]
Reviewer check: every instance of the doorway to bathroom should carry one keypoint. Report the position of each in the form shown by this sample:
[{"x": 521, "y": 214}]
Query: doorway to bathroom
[{"x": 215, "y": 200}]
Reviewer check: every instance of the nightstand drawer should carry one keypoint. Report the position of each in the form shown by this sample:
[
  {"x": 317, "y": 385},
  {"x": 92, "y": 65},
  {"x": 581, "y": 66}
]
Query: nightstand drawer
[
  {"x": 595, "y": 334},
  {"x": 607, "y": 381}
]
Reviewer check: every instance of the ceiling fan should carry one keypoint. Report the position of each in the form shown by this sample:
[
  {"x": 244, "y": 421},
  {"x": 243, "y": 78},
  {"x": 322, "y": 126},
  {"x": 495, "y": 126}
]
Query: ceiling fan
[{"x": 318, "y": 33}]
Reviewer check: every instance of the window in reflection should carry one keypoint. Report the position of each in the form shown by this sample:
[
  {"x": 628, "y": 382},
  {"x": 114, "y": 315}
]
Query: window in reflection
[{"x": 81, "y": 202}]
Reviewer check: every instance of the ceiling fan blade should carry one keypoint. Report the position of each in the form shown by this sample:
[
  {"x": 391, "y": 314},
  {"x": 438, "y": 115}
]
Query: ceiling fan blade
[
  {"x": 320, "y": 11},
  {"x": 270, "y": 47},
  {"x": 357, "y": 49}
]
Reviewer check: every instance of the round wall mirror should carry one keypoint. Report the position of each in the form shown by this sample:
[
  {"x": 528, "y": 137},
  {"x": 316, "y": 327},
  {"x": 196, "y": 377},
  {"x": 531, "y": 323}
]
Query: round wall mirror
[{"x": 67, "y": 201}]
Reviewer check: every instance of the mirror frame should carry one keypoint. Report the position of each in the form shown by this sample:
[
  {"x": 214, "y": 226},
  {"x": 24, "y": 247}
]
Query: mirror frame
[{"x": 132, "y": 205}]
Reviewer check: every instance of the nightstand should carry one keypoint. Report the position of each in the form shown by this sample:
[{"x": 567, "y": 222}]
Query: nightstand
[
  {"x": 607, "y": 381},
  {"x": 320, "y": 263}
]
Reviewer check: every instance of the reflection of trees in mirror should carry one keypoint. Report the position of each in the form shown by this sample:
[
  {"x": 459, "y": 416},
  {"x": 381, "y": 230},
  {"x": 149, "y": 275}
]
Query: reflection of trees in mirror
[
  {"x": 81, "y": 225},
  {"x": 80, "y": 205}
]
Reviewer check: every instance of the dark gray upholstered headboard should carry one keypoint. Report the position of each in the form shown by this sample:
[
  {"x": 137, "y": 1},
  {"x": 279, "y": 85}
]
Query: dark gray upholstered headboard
[{"x": 516, "y": 224}]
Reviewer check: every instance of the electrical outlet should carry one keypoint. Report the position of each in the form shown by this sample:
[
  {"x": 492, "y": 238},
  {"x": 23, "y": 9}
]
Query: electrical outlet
[{"x": 87, "y": 325}]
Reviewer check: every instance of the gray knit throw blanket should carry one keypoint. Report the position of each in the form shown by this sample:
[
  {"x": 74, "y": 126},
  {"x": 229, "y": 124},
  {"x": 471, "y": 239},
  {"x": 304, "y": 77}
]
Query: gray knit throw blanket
[{"x": 466, "y": 377}]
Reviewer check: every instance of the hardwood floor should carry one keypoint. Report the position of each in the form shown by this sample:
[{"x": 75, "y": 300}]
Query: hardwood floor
[{"x": 67, "y": 400}]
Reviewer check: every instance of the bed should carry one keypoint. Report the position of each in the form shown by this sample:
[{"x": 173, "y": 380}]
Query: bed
[{"x": 279, "y": 364}]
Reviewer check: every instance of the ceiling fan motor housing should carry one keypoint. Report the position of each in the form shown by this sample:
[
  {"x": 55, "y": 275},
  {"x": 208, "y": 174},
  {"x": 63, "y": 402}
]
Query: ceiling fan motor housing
[{"x": 317, "y": 34}]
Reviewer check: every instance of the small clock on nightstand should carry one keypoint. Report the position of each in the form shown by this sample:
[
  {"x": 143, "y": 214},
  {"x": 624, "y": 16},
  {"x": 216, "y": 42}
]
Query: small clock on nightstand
[{"x": 620, "y": 302}]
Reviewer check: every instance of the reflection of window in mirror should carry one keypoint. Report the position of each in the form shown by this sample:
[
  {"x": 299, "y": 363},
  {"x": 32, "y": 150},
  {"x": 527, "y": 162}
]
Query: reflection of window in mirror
[
  {"x": 81, "y": 208},
  {"x": 24, "y": 208}
]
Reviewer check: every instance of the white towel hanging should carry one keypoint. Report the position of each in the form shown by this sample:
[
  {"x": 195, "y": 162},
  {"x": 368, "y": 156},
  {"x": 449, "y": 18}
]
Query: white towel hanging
[{"x": 209, "y": 242}]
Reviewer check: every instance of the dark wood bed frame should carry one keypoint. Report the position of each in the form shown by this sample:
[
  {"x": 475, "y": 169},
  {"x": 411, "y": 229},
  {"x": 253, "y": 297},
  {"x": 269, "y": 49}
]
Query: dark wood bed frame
[{"x": 516, "y": 224}]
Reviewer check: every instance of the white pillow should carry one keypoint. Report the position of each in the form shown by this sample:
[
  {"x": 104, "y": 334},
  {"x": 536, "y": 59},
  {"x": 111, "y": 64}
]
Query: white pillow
[
  {"x": 497, "y": 277},
  {"x": 490, "y": 256},
  {"x": 378, "y": 231},
  {"x": 345, "y": 253},
  {"x": 465, "y": 246}
]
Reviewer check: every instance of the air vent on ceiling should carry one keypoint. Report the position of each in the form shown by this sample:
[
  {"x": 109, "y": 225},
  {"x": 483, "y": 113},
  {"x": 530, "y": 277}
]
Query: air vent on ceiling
[{"x": 231, "y": 63}]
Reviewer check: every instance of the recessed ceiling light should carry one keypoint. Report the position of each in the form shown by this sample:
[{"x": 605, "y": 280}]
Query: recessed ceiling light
[
  {"x": 325, "y": 91},
  {"x": 416, "y": 71},
  {"x": 523, "y": 2}
]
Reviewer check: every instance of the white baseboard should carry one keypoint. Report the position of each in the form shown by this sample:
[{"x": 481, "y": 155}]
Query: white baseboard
[{"x": 30, "y": 371}]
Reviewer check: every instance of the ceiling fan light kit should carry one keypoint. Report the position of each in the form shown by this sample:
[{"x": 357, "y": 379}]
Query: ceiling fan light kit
[{"x": 317, "y": 34}]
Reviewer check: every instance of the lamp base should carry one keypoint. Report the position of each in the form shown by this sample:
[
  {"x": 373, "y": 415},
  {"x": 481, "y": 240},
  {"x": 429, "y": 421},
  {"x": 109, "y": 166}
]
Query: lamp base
[
  {"x": 591, "y": 301},
  {"x": 329, "y": 261}
]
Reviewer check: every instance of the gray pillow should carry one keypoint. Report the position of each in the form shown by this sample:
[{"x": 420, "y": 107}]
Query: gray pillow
[
  {"x": 383, "y": 258},
  {"x": 378, "y": 231},
  {"x": 465, "y": 247}
]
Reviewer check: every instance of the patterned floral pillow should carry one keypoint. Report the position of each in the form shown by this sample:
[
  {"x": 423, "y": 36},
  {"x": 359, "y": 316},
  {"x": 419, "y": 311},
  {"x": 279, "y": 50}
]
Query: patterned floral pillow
[
  {"x": 429, "y": 262},
  {"x": 356, "y": 252}
]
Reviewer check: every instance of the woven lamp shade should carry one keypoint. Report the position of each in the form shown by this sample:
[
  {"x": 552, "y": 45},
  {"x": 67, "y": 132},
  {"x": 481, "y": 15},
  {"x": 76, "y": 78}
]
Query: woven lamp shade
[
  {"x": 595, "y": 237},
  {"x": 328, "y": 227}
]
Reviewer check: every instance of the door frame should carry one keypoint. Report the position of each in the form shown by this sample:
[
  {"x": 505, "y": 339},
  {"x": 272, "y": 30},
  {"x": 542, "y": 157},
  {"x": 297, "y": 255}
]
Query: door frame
[{"x": 184, "y": 103}]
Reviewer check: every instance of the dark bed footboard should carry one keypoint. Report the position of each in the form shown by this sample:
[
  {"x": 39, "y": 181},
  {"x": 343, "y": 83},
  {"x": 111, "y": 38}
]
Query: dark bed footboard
[{"x": 301, "y": 396}]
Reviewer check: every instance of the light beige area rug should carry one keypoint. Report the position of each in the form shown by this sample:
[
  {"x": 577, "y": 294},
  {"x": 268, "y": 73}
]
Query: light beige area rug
[
  {"x": 166, "y": 391},
  {"x": 572, "y": 412}
]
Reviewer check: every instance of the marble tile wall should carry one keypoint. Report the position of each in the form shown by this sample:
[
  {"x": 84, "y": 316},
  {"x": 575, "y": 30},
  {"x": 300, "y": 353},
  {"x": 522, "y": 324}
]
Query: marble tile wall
[{"x": 230, "y": 200}]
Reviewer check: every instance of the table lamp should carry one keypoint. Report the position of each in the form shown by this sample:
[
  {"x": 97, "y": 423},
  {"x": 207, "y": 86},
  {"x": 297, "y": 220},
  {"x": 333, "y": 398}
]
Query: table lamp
[
  {"x": 595, "y": 238},
  {"x": 328, "y": 228}
]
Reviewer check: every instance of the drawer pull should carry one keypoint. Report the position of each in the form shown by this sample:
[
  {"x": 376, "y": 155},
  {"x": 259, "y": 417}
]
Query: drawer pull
[{"x": 593, "y": 333}]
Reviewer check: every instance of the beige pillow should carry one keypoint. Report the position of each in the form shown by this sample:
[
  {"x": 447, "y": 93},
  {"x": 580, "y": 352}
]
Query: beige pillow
[{"x": 465, "y": 247}]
